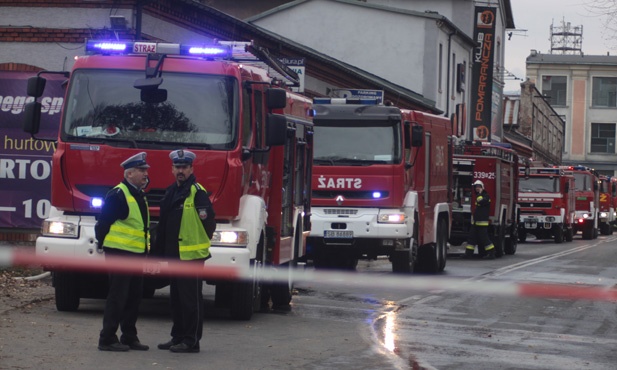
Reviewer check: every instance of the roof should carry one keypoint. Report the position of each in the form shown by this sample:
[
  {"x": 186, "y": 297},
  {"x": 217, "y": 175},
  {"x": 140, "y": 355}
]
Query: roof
[
  {"x": 569, "y": 59},
  {"x": 249, "y": 31},
  {"x": 426, "y": 14}
]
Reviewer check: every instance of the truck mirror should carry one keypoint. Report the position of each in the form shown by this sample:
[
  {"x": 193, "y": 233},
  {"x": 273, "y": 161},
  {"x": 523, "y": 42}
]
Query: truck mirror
[
  {"x": 276, "y": 98},
  {"x": 407, "y": 136},
  {"x": 276, "y": 130},
  {"x": 566, "y": 187},
  {"x": 595, "y": 186},
  {"x": 32, "y": 116},
  {"x": 147, "y": 83},
  {"x": 153, "y": 96},
  {"x": 36, "y": 86},
  {"x": 417, "y": 135}
]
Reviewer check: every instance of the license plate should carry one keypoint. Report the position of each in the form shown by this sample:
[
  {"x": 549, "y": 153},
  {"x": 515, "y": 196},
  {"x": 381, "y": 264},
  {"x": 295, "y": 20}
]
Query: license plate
[{"x": 344, "y": 234}]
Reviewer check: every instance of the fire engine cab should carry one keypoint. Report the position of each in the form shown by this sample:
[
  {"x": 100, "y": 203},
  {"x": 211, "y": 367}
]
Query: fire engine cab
[
  {"x": 587, "y": 193},
  {"x": 497, "y": 167},
  {"x": 547, "y": 204},
  {"x": 227, "y": 102},
  {"x": 380, "y": 186},
  {"x": 606, "y": 217}
]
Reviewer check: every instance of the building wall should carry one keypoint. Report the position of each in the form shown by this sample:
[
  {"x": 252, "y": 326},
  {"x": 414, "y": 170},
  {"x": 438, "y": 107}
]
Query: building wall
[
  {"x": 579, "y": 111},
  {"x": 399, "y": 47}
]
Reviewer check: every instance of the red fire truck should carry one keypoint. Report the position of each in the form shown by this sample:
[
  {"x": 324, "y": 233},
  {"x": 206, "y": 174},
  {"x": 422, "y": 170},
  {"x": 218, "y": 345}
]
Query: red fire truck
[
  {"x": 253, "y": 141},
  {"x": 497, "y": 167},
  {"x": 547, "y": 203},
  {"x": 587, "y": 193},
  {"x": 606, "y": 217},
  {"x": 380, "y": 186}
]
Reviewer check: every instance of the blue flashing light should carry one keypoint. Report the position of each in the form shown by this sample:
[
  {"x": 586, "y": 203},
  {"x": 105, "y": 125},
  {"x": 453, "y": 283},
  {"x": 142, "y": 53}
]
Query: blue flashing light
[
  {"x": 106, "y": 46},
  {"x": 96, "y": 202},
  {"x": 376, "y": 194},
  {"x": 220, "y": 51}
]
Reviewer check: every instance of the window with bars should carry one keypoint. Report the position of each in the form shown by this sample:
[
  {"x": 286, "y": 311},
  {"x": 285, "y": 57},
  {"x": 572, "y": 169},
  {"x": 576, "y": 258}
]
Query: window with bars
[{"x": 602, "y": 138}]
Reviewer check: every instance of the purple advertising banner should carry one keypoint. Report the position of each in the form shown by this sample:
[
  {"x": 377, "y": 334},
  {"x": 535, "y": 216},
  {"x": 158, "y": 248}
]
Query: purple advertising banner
[
  {"x": 482, "y": 73},
  {"x": 25, "y": 163}
]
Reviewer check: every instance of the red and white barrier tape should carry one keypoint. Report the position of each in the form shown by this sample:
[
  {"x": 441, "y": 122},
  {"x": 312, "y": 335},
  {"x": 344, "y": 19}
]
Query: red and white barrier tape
[{"x": 16, "y": 257}]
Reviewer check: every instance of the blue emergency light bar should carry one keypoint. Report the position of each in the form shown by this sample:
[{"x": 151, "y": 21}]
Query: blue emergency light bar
[
  {"x": 363, "y": 101},
  {"x": 144, "y": 47}
]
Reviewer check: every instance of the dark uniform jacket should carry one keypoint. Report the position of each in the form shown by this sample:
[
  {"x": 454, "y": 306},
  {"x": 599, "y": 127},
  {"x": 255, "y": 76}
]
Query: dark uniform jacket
[
  {"x": 172, "y": 205},
  {"x": 483, "y": 207},
  {"x": 116, "y": 208}
]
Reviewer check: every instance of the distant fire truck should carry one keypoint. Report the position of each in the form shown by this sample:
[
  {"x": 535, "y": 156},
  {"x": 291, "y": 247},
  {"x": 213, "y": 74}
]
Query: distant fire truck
[
  {"x": 547, "y": 202},
  {"x": 380, "y": 186},
  {"x": 606, "y": 218},
  {"x": 497, "y": 167},
  {"x": 253, "y": 141},
  {"x": 587, "y": 193}
]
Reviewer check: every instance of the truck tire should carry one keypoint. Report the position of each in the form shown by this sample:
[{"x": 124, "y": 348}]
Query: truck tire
[
  {"x": 404, "y": 262},
  {"x": 569, "y": 234},
  {"x": 605, "y": 228},
  {"x": 432, "y": 257},
  {"x": 500, "y": 239},
  {"x": 242, "y": 301},
  {"x": 522, "y": 236},
  {"x": 66, "y": 291},
  {"x": 588, "y": 231},
  {"x": 558, "y": 234},
  {"x": 512, "y": 241}
]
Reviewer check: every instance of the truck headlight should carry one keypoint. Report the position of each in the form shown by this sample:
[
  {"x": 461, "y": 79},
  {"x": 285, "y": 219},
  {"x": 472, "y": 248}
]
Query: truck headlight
[
  {"x": 230, "y": 238},
  {"x": 391, "y": 218},
  {"x": 550, "y": 219},
  {"x": 603, "y": 214},
  {"x": 60, "y": 229}
]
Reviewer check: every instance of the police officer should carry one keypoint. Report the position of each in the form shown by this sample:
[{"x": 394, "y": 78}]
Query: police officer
[
  {"x": 478, "y": 234},
  {"x": 184, "y": 231},
  {"x": 122, "y": 230}
]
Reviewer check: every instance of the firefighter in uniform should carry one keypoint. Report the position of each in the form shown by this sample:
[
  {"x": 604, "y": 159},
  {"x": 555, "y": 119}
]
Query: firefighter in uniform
[
  {"x": 478, "y": 234},
  {"x": 122, "y": 231},
  {"x": 184, "y": 231}
]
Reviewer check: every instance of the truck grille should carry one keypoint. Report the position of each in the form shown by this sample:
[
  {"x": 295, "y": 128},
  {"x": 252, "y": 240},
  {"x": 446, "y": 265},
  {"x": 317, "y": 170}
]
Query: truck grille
[
  {"x": 332, "y": 194},
  {"x": 535, "y": 205},
  {"x": 340, "y": 211}
]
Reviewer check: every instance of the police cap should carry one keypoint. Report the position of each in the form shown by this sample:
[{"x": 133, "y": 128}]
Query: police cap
[
  {"x": 182, "y": 157},
  {"x": 136, "y": 161}
]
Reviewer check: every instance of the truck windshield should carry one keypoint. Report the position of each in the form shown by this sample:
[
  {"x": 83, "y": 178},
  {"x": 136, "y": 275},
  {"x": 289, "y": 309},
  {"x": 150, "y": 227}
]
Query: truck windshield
[
  {"x": 364, "y": 143},
  {"x": 539, "y": 185},
  {"x": 200, "y": 110},
  {"x": 582, "y": 182}
]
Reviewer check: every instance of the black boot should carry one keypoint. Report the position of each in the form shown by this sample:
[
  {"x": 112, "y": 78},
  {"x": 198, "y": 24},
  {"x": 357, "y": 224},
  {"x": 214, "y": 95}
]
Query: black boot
[
  {"x": 490, "y": 254},
  {"x": 468, "y": 254}
]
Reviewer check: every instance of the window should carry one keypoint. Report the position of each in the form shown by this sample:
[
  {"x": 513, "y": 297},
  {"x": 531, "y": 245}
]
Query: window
[
  {"x": 602, "y": 138},
  {"x": 604, "y": 92},
  {"x": 554, "y": 89},
  {"x": 440, "y": 66}
]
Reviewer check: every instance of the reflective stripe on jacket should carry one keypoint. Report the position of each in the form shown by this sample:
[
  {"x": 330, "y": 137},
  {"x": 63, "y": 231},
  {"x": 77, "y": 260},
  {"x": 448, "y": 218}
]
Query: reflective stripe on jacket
[
  {"x": 193, "y": 241},
  {"x": 129, "y": 234}
]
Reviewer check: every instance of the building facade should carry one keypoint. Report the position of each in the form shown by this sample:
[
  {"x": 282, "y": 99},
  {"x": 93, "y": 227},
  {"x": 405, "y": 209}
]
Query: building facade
[
  {"x": 425, "y": 46},
  {"x": 582, "y": 89}
]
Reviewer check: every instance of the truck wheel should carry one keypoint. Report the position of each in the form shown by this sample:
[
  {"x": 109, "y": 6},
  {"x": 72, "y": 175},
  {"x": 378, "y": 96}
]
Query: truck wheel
[
  {"x": 558, "y": 234},
  {"x": 522, "y": 236},
  {"x": 500, "y": 240},
  {"x": 242, "y": 301},
  {"x": 404, "y": 262},
  {"x": 588, "y": 231},
  {"x": 431, "y": 257},
  {"x": 511, "y": 242},
  {"x": 442, "y": 241},
  {"x": 569, "y": 234},
  {"x": 605, "y": 229},
  {"x": 66, "y": 291}
]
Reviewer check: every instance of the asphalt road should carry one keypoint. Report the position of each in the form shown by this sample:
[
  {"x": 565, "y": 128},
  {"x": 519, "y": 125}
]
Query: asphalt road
[{"x": 344, "y": 325}]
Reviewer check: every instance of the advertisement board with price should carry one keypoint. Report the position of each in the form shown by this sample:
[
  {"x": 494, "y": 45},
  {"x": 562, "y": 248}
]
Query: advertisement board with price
[{"x": 25, "y": 162}]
